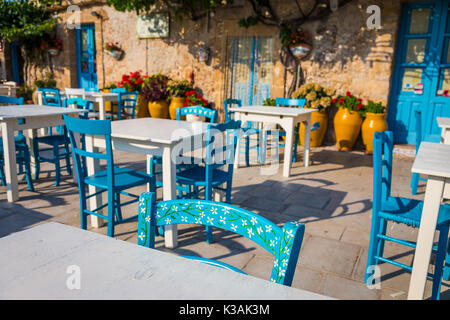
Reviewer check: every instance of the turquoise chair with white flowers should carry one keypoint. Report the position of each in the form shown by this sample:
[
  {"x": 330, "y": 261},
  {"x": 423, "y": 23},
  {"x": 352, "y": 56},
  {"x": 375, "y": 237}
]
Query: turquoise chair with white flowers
[{"x": 283, "y": 244}]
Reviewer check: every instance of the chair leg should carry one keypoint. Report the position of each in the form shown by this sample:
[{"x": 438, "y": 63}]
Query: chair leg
[
  {"x": 2, "y": 176},
  {"x": 381, "y": 242},
  {"x": 57, "y": 164},
  {"x": 118, "y": 208},
  {"x": 446, "y": 274},
  {"x": 37, "y": 165},
  {"x": 67, "y": 156},
  {"x": 247, "y": 151},
  {"x": 438, "y": 264},
  {"x": 414, "y": 183},
  {"x": 28, "y": 170},
  {"x": 373, "y": 248}
]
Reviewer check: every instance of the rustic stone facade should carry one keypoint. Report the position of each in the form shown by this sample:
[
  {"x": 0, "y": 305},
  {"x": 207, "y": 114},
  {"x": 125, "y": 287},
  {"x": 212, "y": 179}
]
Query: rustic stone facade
[{"x": 347, "y": 55}]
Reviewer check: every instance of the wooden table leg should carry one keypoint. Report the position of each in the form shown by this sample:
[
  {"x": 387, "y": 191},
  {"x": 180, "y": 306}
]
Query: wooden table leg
[
  {"x": 101, "y": 109},
  {"x": 288, "y": 126},
  {"x": 432, "y": 201},
  {"x": 9, "y": 153},
  {"x": 169, "y": 193}
]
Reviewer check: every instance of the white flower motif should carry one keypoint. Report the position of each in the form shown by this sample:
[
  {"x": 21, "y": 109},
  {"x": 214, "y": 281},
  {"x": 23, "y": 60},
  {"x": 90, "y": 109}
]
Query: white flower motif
[
  {"x": 147, "y": 218},
  {"x": 282, "y": 272},
  {"x": 250, "y": 232},
  {"x": 164, "y": 206},
  {"x": 260, "y": 230},
  {"x": 141, "y": 236},
  {"x": 175, "y": 208},
  {"x": 184, "y": 219},
  {"x": 202, "y": 215},
  {"x": 289, "y": 234},
  {"x": 268, "y": 228},
  {"x": 286, "y": 250},
  {"x": 222, "y": 219},
  {"x": 209, "y": 220},
  {"x": 168, "y": 221},
  {"x": 244, "y": 222},
  {"x": 198, "y": 220},
  {"x": 233, "y": 227},
  {"x": 226, "y": 211},
  {"x": 214, "y": 210},
  {"x": 142, "y": 209},
  {"x": 273, "y": 280},
  {"x": 199, "y": 205},
  {"x": 272, "y": 243},
  {"x": 285, "y": 262},
  {"x": 253, "y": 220},
  {"x": 275, "y": 263}
]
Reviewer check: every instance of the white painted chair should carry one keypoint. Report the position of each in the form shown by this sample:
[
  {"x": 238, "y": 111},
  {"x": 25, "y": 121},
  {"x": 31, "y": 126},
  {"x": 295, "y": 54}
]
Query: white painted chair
[{"x": 75, "y": 93}]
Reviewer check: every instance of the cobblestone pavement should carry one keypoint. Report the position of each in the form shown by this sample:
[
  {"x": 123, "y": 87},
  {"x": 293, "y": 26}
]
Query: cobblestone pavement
[{"x": 332, "y": 197}]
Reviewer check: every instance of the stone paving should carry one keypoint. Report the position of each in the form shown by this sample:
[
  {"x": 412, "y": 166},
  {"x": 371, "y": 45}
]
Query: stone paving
[{"x": 332, "y": 197}]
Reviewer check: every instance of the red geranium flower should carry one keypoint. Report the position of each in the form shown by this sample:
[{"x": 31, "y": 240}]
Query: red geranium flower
[
  {"x": 359, "y": 106},
  {"x": 348, "y": 94}
]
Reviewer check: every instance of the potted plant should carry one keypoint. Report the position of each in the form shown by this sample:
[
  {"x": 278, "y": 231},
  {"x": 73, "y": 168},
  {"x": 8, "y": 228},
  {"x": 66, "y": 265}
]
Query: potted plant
[
  {"x": 320, "y": 98},
  {"x": 114, "y": 50},
  {"x": 193, "y": 98},
  {"x": 52, "y": 46},
  {"x": 178, "y": 90},
  {"x": 375, "y": 120},
  {"x": 298, "y": 41},
  {"x": 348, "y": 120},
  {"x": 269, "y": 102},
  {"x": 155, "y": 90},
  {"x": 47, "y": 82},
  {"x": 134, "y": 82}
]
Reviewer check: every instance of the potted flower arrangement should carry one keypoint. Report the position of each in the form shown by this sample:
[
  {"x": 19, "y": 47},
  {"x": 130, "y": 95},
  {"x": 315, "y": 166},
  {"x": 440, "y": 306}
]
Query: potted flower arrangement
[
  {"x": 375, "y": 120},
  {"x": 320, "y": 98},
  {"x": 193, "y": 98},
  {"x": 269, "y": 102},
  {"x": 52, "y": 46},
  {"x": 299, "y": 42},
  {"x": 114, "y": 50},
  {"x": 47, "y": 82},
  {"x": 178, "y": 90},
  {"x": 155, "y": 90},
  {"x": 134, "y": 82},
  {"x": 348, "y": 120}
]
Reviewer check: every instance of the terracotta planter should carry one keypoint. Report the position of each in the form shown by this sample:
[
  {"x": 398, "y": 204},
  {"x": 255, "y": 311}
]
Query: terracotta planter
[
  {"x": 158, "y": 109},
  {"x": 374, "y": 122},
  {"x": 347, "y": 125},
  {"x": 142, "y": 107},
  {"x": 177, "y": 102},
  {"x": 316, "y": 136}
]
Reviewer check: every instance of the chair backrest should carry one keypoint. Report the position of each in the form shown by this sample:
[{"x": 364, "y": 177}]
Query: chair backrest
[
  {"x": 84, "y": 127},
  {"x": 290, "y": 102},
  {"x": 117, "y": 90},
  {"x": 11, "y": 100},
  {"x": 79, "y": 103},
  {"x": 382, "y": 167},
  {"x": 75, "y": 92},
  {"x": 199, "y": 111},
  {"x": 50, "y": 97},
  {"x": 221, "y": 142},
  {"x": 127, "y": 100},
  {"x": 92, "y": 90},
  {"x": 227, "y": 104},
  {"x": 418, "y": 115},
  {"x": 283, "y": 243}
]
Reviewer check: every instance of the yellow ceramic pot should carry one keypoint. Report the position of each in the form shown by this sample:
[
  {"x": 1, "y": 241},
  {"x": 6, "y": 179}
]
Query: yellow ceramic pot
[
  {"x": 108, "y": 104},
  {"x": 347, "y": 125},
  {"x": 158, "y": 109},
  {"x": 316, "y": 136},
  {"x": 141, "y": 107},
  {"x": 373, "y": 122},
  {"x": 177, "y": 102}
]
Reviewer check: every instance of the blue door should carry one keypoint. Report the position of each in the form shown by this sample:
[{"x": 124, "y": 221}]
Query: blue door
[
  {"x": 86, "y": 57},
  {"x": 422, "y": 71},
  {"x": 16, "y": 62},
  {"x": 251, "y": 69}
]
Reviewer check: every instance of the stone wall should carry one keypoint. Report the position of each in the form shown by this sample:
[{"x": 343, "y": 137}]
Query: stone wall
[{"x": 346, "y": 55}]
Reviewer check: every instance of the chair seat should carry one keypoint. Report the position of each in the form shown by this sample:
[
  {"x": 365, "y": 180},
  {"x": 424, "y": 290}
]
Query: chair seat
[
  {"x": 124, "y": 178},
  {"x": 56, "y": 139},
  {"x": 409, "y": 211},
  {"x": 20, "y": 142},
  {"x": 197, "y": 176}
]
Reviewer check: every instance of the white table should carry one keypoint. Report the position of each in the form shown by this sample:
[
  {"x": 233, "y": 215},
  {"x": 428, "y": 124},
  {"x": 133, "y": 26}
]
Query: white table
[
  {"x": 98, "y": 97},
  {"x": 39, "y": 263},
  {"x": 444, "y": 124},
  {"x": 35, "y": 117},
  {"x": 152, "y": 137},
  {"x": 287, "y": 118},
  {"x": 432, "y": 160}
]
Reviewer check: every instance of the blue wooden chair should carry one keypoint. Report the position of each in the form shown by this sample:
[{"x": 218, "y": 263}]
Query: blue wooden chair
[
  {"x": 247, "y": 131},
  {"x": 83, "y": 104},
  {"x": 57, "y": 141},
  {"x": 127, "y": 104},
  {"x": 23, "y": 158},
  {"x": 111, "y": 114},
  {"x": 283, "y": 243},
  {"x": 297, "y": 103},
  {"x": 114, "y": 180},
  {"x": 400, "y": 210},
  {"x": 415, "y": 176},
  {"x": 217, "y": 171}
]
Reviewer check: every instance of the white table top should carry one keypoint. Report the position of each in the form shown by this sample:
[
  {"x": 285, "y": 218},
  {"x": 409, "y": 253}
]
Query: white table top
[
  {"x": 433, "y": 159},
  {"x": 35, "y": 263},
  {"x": 284, "y": 111},
  {"x": 94, "y": 94},
  {"x": 156, "y": 130},
  {"x": 443, "y": 122},
  {"x": 32, "y": 110}
]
